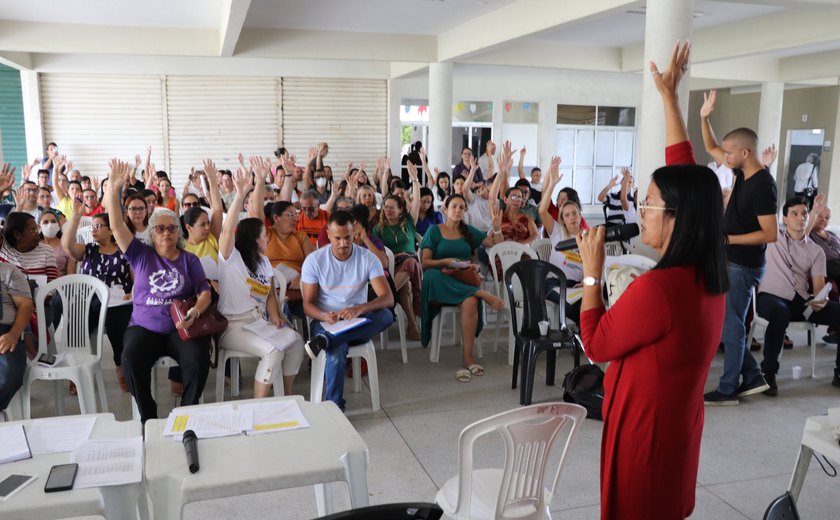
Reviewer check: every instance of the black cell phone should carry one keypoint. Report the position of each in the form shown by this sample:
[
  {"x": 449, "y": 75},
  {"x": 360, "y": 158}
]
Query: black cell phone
[
  {"x": 46, "y": 360},
  {"x": 62, "y": 477}
]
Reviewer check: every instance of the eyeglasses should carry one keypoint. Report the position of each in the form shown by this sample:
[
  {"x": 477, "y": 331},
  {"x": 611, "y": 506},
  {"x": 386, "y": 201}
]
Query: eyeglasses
[
  {"x": 95, "y": 227},
  {"x": 191, "y": 204},
  {"x": 137, "y": 209},
  {"x": 34, "y": 230},
  {"x": 515, "y": 197},
  {"x": 30, "y": 190},
  {"x": 171, "y": 228},
  {"x": 291, "y": 214},
  {"x": 645, "y": 206}
]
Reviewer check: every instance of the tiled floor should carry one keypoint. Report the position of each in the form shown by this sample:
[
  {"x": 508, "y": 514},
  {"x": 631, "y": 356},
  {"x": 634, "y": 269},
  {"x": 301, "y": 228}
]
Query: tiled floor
[{"x": 747, "y": 456}]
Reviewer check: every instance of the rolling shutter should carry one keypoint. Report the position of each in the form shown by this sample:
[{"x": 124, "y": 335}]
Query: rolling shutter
[
  {"x": 349, "y": 114},
  {"x": 219, "y": 117},
  {"x": 96, "y": 117},
  {"x": 11, "y": 118}
]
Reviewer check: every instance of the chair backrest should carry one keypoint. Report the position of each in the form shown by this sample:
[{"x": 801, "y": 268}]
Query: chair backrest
[
  {"x": 543, "y": 248},
  {"x": 280, "y": 284},
  {"x": 508, "y": 253},
  {"x": 639, "y": 261},
  {"x": 403, "y": 511},
  {"x": 529, "y": 434},
  {"x": 527, "y": 277},
  {"x": 390, "y": 255},
  {"x": 73, "y": 334},
  {"x": 84, "y": 235}
]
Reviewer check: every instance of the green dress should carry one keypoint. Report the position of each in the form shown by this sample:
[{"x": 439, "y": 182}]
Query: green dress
[
  {"x": 441, "y": 289},
  {"x": 397, "y": 239}
]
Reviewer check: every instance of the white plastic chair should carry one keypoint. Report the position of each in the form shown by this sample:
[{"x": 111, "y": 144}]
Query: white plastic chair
[
  {"x": 80, "y": 363},
  {"x": 795, "y": 326},
  {"x": 542, "y": 246},
  {"x": 640, "y": 261},
  {"x": 400, "y": 313},
  {"x": 84, "y": 235},
  {"x": 355, "y": 354},
  {"x": 517, "y": 490},
  {"x": 508, "y": 254}
]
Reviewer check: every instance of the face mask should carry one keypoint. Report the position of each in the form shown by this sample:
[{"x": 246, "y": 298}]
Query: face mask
[
  {"x": 320, "y": 182},
  {"x": 50, "y": 230}
]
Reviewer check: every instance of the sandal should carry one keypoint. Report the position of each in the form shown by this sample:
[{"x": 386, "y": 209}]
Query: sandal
[
  {"x": 463, "y": 375},
  {"x": 476, "y": 369}
]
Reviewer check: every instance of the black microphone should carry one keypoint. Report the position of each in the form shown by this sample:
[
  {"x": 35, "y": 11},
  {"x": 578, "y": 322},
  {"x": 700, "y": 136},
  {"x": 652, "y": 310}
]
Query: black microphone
[
  {"x": 191, "y": 447},
  {"x": 621, "y": 233}
]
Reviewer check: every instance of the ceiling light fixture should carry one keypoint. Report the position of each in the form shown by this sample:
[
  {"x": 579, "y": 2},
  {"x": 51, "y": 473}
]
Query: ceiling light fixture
[{"x": 643, "y": 10}]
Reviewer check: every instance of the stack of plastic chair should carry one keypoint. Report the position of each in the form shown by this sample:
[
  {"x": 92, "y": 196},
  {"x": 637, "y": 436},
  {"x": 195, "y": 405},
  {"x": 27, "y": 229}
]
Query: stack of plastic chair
[{"x": 518, "y": 489}]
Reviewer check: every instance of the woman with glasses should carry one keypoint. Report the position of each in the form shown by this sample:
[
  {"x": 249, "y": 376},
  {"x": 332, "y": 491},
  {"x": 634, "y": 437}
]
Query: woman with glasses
[
  {"x": 136, "y": 217},
  {"x": 517, "y": 226},
  {"x": 203, "y": 230},
  {"x": 103, "y": 260},
  {"x": 163, "y": 272},
  {"x": 661, "y": 335}
]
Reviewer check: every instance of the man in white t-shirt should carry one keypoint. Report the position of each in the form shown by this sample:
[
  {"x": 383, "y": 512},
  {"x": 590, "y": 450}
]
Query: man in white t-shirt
[{"x": 334, "y": 283}]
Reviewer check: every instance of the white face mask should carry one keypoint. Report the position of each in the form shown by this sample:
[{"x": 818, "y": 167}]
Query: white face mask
[
  {"x": 320, "y": 182},
  {"x": 50, "y": 230}
]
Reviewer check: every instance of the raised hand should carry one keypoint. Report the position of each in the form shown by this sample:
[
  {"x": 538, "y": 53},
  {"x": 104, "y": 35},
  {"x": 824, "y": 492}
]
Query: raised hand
[
  {"x": 496, "y": 215},
  {"x": 211, "y": 172},
  {"x": 819, "y": 203},
  {"x": 312, "y": 152},
  {"x": 79, "y": 207},
  {"x": 69, "y": 166},
  {"x": 95, "y": 181},
  {"x": 26, "y": 169},
  {"x": 241, "y": 181},
  {"x": 241, "y": 159},
  {"x": 7, "y": 177},
  {"x": 137, "y": 161},
  {"x": 668, "y": 81},
  {"x": 19, "y": 195},
  {"x": 260, "y": 166},
  {"x": 708, "y": 103},
  {"x": 768, "y": 155},
  {"x": 412, "y": 171},
  {"x": 522, "y": 153},
  {"x": 117, "y": 174}
]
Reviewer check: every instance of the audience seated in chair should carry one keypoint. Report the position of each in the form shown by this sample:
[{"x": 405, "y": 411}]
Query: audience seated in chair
[
  {"x": 830, "y": 244},
  {"x": 15, "y": 307}
]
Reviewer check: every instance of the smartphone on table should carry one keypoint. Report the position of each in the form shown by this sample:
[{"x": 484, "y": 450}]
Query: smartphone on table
[
  {"x": 14, "y": 483},
  {"x": 62, "y": 477}
]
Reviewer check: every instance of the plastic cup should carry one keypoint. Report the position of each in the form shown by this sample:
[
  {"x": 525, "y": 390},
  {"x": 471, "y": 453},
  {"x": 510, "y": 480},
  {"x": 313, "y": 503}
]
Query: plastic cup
[
  {"x": 797, "y": 371},
  {"x": 543, "y": 328}
]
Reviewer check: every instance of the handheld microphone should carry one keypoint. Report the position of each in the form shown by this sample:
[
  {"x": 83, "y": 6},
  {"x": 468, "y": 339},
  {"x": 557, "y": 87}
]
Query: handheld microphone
[
  {"x": 191, "y": 447},
  {"x": 621, "y": 233}
]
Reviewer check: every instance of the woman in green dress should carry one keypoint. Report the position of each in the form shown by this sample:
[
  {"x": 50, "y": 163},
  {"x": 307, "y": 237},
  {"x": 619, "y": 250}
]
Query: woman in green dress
[{"x": 446, "y": 247}]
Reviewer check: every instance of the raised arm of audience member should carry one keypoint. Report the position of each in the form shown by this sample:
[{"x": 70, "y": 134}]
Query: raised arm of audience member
[
  {"x": 496, "y": 185},
  {"x": 383, "y": 179},
  {"x": 548, "y": 188},
  {"x": 7, "y": 177},
  {"x": 216, "y": 206},
  {"x": 148, "y": 171},
  {"x": 768, "y": 156},
  {"x": 816, "y": 209},
  {"x": 256, "y": 208},
  {"x": 626, "y": 187},
  {"x": 227, "y": 239},
  {"x": 466, "y": 189},
  {"x": 74, "y": 250},
  {"x": 116, "y": 180},
  {"x": 288, "y": 180},
  {"x": 307, "y": 170},
  {"x": 520, "y": 168},
  {"x": 414, "y": 204},
  {"x": 319, "y": 156},
  {"x": 602, "y": 195},
  {"x": 709, "y": 139},
  {"x": 60, "y": 192}
]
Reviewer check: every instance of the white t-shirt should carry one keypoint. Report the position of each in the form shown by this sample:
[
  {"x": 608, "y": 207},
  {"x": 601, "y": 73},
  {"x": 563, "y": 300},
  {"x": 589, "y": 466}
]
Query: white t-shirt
[
  {"x": 240, "y": 290},
  {"x": 341, "y": 284},
  {"x": 478, "y": 212},
  {"x": 724, "y": 175},
  {"x": 569, "y": 261}
]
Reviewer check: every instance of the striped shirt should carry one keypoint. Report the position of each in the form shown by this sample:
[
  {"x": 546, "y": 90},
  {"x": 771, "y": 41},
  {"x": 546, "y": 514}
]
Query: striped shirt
[
  {"x": 615, "y": 213},
  {"x": 39, "y": 261}
]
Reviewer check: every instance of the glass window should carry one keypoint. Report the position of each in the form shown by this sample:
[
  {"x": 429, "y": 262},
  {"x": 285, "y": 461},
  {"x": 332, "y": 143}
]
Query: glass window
[
  {"x": 575, "y": 115},
  {"x": 414, "y": 111},
  {"x": 521, "y": 112},
  {"x": 616, "y": 116},
  {"x": 473, "y": 137},
  {"x": 472, "y": 112}
]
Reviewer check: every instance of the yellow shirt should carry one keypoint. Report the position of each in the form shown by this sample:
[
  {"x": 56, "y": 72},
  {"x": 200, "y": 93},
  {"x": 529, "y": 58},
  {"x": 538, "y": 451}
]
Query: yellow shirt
[
  {"x": 208, "y": 247},
  {"x": 65, "y": 206}
]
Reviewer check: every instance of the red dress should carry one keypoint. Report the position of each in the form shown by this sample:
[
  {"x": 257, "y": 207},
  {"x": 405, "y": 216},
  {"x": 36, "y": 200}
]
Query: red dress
[{"x": 660, "y": 337}]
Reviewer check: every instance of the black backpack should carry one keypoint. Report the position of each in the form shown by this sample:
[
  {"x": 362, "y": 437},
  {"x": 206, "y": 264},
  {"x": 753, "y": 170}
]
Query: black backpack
[{"x": 584, "y": 385}]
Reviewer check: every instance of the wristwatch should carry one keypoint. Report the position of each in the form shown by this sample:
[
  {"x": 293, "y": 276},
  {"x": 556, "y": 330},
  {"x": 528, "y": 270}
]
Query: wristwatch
[{"x": 590, "y": 280}]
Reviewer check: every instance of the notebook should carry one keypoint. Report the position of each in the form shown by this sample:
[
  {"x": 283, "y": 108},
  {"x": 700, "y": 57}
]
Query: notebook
[{"x": 13, "y": 444}]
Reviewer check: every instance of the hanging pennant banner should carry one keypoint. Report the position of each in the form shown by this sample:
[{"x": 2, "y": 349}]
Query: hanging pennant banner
[
  {"x": 507, "y": 107},
  {"x": 526, "y": 106},
  {"x": 473, "y": 108}
]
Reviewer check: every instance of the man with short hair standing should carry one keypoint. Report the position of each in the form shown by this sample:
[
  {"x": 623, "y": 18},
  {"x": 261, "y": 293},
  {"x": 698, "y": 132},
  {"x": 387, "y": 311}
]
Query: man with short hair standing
[
  {"x": 334, "y": 282},
  {"x": 749, "y": 224}
]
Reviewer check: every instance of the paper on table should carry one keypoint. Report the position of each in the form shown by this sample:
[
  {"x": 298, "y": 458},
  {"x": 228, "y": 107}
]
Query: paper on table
[
  {"x": 108, "y": 462},
  {"x": 820, "y": 296},
  {"x": 574, "y": 294},
  {"x": 57, "y": 435},
  {"x": 13, "y": 444},
  {"x": 211, "y": 268},
  {"x": 214, "y": 421},
  {"x": 275, "y": 416},
  {"x": 343, "y": 325},
  {"x": 280, "y": 338}
]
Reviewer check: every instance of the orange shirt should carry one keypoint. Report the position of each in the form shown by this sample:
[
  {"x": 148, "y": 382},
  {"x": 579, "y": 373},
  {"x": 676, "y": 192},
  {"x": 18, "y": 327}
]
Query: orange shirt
[
  {"x": 288, "y": 252},
  {"x": 313, "y": 227}
]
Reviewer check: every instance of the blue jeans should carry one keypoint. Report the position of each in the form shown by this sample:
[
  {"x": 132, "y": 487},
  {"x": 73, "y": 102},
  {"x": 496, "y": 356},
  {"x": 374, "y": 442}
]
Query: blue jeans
[
  {"x": 337, "y": 347},
  {"x": 12, "y": 367},
  {"x": 738, "y": 360}
]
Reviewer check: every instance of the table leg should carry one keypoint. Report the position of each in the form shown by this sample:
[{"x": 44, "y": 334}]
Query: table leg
[
  {"x": 323, "y": 499},
  {"x": 800, "y": 470},
  {"x": 121, "y": 501},
  {"x": 355, "y": 471}
]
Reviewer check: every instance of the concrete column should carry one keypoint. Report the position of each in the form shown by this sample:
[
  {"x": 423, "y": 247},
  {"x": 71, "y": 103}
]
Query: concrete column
[
  {"x": 31, "y": 91},
  {"x": 666, "y": 22},
  {"x": 833, "y": 190},
  {"x": 770, "y": 118},
  {"x": 440, "y": 115}
]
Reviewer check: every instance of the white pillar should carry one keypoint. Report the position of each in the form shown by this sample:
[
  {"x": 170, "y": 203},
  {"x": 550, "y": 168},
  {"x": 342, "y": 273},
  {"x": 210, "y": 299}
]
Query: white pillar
[
  {"x": 770, "y": 118},
  {"x": 440, "y": 115},
  {"x": 833, "y": 193},
  {"x": 666, "y": 22},
  {"x": 31, "y": 91}
]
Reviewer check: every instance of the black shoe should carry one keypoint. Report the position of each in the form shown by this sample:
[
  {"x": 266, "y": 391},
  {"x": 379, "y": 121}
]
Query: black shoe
[
  {"x": 833, "y": 338},
  {"x": 756, "y": 386},
  {"x": 715, "y": 398},
  {"x": 315, "y": 345},
  {"x": 836, "y": 381},
  {"x": 755, "y": 346},
  {"x": 773, "y": 391},
  {"x": 787, "y": 344}
]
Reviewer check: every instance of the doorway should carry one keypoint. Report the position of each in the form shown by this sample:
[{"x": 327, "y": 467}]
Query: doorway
[{"x": 802, "y": 169}]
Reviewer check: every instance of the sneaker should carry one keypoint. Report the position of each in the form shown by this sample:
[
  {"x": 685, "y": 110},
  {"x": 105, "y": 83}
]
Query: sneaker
[
  {"x": 833, "y": 338},
  {"x": 836, "y": 381},
  {"x": 716, "y": 398},
  {"x": 756, "y": 386},
  {"x": 773, "y": 391},
  {"x": 315, "y": 345}
]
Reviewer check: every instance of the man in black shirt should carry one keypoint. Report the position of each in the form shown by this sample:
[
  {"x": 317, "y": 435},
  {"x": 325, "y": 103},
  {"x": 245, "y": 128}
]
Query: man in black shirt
[{"x": 749, "y": 223}]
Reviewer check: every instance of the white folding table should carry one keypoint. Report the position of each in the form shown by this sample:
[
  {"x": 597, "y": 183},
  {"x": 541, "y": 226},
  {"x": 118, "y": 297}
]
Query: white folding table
[
  {"x": 109, "y": 501},
  {"x": 329, "y": 450},
  {"x": 816, "y": 437}
]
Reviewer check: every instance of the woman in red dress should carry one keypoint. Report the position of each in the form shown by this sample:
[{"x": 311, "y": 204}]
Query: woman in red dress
[{"x": 662, "y": 333}]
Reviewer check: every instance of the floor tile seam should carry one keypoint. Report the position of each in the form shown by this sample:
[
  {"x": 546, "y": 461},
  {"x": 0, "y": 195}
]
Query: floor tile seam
[{"x": 724, "y": 501}]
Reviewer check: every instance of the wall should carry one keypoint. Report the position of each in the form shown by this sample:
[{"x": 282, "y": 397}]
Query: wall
[{"x": 11, "y": 118}]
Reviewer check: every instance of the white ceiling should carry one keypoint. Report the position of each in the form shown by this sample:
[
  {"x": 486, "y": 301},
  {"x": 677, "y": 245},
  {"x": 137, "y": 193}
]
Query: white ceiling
[
  {"x": 373, "y": 16},
  {"x": 191, "y": 14}
]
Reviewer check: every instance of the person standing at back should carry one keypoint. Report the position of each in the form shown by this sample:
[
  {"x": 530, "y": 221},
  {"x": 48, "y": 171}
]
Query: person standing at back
[{"x": 749, "y": 223}]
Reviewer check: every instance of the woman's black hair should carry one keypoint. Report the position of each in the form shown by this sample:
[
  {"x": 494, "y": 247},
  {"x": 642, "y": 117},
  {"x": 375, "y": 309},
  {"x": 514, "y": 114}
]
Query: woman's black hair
[
  {"x": 361, "y": 215},
  {"x": 107, "y": 221},
  {"x": 277, "y": 209},
  {"x": 191, "y": 217},
  {"x": 16, "y": 222},
  {"x": 572, "y": 195},
  {"x": 440, "y": 191},
  {"x": 145, "y": 193},
  {"x": 248, "y": 231},
  {"x": 692, "y": 194},
  {"x": 462, "y": 226}
]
